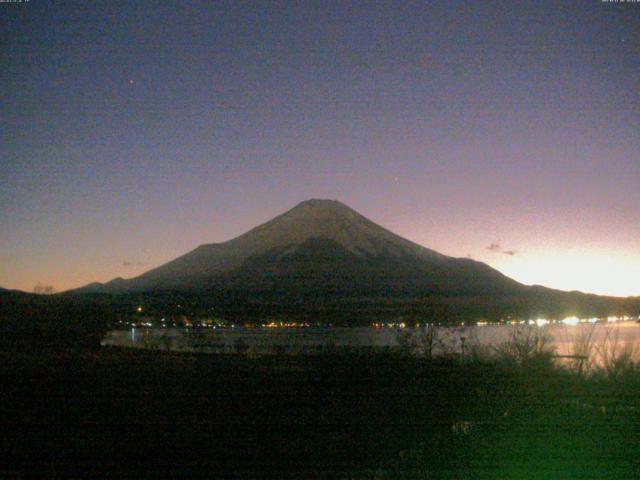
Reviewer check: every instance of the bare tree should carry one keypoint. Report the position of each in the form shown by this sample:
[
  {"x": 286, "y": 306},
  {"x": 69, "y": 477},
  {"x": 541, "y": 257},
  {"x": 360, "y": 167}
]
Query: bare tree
[
  {"x": 526, "y": 345},
  {"x": 423, "y": 342},
  {"x": 41, "y": 289}
]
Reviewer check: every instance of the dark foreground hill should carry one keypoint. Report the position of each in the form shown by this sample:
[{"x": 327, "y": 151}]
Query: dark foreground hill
[{"x": 124, "y": 413}]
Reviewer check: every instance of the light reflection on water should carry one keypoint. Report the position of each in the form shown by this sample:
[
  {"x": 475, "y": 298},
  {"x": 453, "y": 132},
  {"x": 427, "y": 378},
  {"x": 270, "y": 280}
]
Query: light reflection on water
[{"x": 566, "y": 339}]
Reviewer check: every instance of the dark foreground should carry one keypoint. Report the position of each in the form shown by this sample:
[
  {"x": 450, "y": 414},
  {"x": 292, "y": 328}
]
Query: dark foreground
[{"x": 126, "y": 413}]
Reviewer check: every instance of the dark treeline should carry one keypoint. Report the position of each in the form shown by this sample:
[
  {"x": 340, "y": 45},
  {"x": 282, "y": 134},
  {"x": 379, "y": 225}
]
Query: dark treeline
[{"x": 72, "y": 319}]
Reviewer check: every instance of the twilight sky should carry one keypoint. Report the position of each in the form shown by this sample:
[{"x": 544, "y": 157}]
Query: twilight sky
[{"x": 131, "y": 132}]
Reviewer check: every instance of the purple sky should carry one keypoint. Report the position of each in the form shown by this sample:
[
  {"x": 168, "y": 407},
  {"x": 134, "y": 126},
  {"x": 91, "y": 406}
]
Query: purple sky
[{"x": 131, "y": 132}]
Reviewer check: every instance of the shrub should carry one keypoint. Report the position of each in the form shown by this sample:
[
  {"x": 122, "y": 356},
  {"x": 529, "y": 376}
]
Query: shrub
[
  {"x": 526, "y": 346},
  {"x": 423, "y": 341},
  {"x": 616, "y": 359}
]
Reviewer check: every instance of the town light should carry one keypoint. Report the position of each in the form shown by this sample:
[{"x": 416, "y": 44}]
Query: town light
[{"x": 571, "y": 321}]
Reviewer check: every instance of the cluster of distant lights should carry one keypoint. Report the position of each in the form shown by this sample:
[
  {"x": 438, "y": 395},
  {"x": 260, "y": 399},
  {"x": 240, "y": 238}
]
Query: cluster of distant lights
[
  {"x": 392, "y": 325},
  {"x": 540, "y": 322},
  {"x": 206, "y": 323},
  {"x": 285, "y": 325},
  {"x": 164, "y": 324},
  {"x": 406, "y": 325}
]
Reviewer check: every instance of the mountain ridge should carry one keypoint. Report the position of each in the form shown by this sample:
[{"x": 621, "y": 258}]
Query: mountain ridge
[
  {"x": 327, "y": 220},
  {"x": 323, "y": 259}
]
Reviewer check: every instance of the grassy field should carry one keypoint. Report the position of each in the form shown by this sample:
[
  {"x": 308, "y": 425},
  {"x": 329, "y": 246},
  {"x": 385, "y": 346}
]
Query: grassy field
[{"x": 119, "y": 412}]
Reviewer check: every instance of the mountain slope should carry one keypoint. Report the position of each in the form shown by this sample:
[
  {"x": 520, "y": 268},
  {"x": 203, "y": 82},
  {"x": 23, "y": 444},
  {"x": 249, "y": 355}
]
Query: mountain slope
[
  {"x": 318, "y": 244},
  {"x": 311, "y": 219}
]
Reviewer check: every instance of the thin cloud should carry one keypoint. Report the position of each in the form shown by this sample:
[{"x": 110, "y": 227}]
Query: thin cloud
[{"x": 494, "y": 247}]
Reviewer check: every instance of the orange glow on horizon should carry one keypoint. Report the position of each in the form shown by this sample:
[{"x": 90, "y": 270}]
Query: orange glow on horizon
[{"x": 590, "y": 271}]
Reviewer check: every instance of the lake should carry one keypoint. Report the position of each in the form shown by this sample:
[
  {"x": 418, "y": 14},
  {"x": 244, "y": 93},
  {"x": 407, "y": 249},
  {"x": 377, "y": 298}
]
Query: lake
[{"x": 566, "y": 339}]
